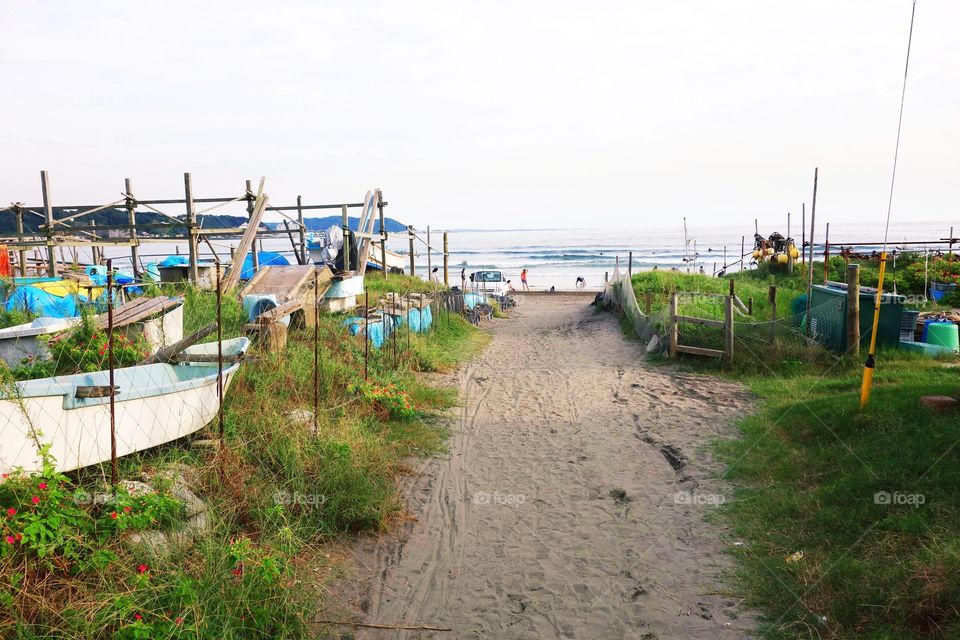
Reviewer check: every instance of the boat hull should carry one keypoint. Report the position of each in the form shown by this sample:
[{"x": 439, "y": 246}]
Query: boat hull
[{"x": 155, "y": 404}]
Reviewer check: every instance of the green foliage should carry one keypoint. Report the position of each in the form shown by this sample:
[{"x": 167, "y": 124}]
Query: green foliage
[
  {"x": 83, "y": 349},
  {"x": 394, "y": 402}
]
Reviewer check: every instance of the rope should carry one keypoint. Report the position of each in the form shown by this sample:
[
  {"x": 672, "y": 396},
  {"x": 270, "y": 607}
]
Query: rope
[
  {"x": 896, "y": 152},
  {"x": 218, "y": 205}
]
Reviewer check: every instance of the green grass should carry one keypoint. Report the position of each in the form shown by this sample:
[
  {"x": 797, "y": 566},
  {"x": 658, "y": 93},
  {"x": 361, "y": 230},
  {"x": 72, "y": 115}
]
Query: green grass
[
  {"x": 808, "y": 466},
  {"x": 810, "y": 463},
  {"x": 283, "y": 491}
]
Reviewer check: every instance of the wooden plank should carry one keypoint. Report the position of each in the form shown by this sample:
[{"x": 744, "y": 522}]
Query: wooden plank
[
  {"x": 699, "y": 351},
  {"x": 701, "y": 321},
  {"x": 167, "y": 354},
  {"x": 673, "y": 325},
  {"x": 246, "y": 241},
  {"x": 280, "y": 311}
]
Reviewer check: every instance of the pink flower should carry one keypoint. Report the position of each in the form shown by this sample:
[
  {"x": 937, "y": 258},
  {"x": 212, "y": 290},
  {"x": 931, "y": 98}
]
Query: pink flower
[
  {"x": 126, "y": 509},
  {"x": 35, "y": 499},
  {"x": 178, "y": 621},
  {"x": 238, "y": 571},
  {"x": 137, "y": 617},
  {"x": 11, "y": 512},
  {"x": 142, "y": 568},
  {"x": 42, "y": 486},
  {"x": 11, "y": 539},
  {"x": 113, "y": 514}
]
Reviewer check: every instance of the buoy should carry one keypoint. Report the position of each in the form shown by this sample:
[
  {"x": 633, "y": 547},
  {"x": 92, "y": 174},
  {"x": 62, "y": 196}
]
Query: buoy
[
  {"x": 756, "y": 254},
  {"x": 794, "y": 252},
  {"x": 781, "y": 258},
  {"x": 769, "y": 251}
]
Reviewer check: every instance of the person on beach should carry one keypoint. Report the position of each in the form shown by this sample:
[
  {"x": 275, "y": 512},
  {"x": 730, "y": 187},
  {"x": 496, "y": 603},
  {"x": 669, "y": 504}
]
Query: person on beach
[
  {"x": 523, "y": 280},
  {"x": 581, "y": 283},
  {"x": 702, "y": 272},
  {"x": 435, "y": 275},
  {"x": 463, "y": 279}
]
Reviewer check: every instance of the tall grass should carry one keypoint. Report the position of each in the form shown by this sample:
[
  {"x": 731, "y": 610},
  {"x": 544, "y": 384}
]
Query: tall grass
[{"x": 284, "y": 486}]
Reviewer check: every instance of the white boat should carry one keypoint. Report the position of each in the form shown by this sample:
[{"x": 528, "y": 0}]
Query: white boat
[
  {"x": 154, "y": 404},
  {"x": 159, "y": 320},
  {"x": 23, "y": 341}
]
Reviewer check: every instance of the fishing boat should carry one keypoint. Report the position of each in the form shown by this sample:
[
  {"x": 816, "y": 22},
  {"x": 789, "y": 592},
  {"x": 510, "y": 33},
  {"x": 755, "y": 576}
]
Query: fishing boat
[
  {"x": 154, "y": 404},
  {"x": 28, "y": 341}
]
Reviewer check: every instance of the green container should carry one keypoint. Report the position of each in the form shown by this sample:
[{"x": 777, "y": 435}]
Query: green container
[
  {"x": 944, "y": 334},
  {"x": 828, "y": 310}
]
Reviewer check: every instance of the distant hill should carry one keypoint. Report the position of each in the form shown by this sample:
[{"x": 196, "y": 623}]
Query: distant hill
[
  {"x": 118, "y": 216},
  {"x": 320, "y": 224}
]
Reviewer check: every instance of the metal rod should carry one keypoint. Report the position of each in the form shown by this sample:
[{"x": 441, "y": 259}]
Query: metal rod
[
  {"x": 219, "y": 354},
  {"x": 302, "y": 230},
  {"x": 813, "y": 221},
  {"x": 316, "y": 347},
  {"x": 366, "y": 334},
  {"x": 191, "y": 228},
  {"x": 114, "y": 477}
]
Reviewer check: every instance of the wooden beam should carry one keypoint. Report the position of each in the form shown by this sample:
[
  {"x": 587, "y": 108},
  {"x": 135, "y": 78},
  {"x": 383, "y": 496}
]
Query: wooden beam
[
  {"x": 699, "y": 351},
  {"x": 246, "y": 241},
  {"x": 706, "y": 322},
  {"x": 48, "y": 216}
]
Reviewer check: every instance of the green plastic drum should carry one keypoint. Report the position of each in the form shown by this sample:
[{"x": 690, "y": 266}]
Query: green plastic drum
[{"x": 944, "y": 334}]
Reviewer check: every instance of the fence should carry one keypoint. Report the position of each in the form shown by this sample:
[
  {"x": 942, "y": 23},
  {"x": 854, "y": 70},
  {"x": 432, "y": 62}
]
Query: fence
[{"x": 726, "y": 324}]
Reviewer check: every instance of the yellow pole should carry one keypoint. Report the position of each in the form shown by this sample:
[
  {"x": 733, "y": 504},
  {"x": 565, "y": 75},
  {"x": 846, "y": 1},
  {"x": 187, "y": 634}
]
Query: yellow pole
[{"x": 870, "y": 364}]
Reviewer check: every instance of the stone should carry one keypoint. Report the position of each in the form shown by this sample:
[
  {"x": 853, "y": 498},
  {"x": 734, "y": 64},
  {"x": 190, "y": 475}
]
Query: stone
[
  {"x": 940, "y": 404},
  {"x": 654, "y": 344}
]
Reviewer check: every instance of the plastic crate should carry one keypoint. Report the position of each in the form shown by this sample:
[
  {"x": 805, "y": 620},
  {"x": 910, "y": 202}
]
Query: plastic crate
[{"x": 908, "y": 326}]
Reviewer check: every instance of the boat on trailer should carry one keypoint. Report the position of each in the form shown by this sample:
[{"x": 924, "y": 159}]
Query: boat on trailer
[{"x": 154, "y": 404}]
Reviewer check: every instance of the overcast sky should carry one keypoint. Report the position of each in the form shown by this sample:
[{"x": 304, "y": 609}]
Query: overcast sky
[{"x": 487, "y": 113}]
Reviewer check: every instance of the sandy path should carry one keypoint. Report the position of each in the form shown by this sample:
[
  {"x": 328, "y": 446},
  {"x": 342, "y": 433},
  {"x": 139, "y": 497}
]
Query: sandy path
[{"x": 556, "y": 511}]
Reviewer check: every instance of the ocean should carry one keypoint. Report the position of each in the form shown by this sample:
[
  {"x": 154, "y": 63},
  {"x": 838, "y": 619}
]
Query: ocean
[{"x": 556, "y": 257}]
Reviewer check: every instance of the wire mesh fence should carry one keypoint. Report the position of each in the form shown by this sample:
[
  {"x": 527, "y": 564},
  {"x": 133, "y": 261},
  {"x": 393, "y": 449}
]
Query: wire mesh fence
[{"x": 156, "y": 363}]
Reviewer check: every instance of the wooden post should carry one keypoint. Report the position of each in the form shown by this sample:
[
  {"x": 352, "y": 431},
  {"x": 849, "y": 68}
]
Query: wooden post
[
  {"x": 255, "y": 259},
  {"x": 606, "y": 276},
  {"x": 413, "y": 270},
  {"x": 789, "y": 247},
  {"x": 674, "y": 333},
  {"x": 647, "y": 302},
  {"x": 951, "y": 245},
  {"x": 94, "y": 249},
  {"x": 220, "y": 430},
  {"x": 347, "y": 237},
  {"x": 813, "y": 221},
  {"x": 132, "y": 219},
  {"x": 743, "y": 248},
  {"x": 446, "y": 259},
  {"x": 303, "y": 231},
  {"x": 826, "y": 256},
  {"x": 18, "y": 210},
  {"x": 853, "y": 309},
  {"x": 48, "y": 214},
  {"x": 630, "y": 264},
  {"x": 383, "y": 236},
  {"x": 191, "y": 229},
  {"x": 749, "y": 305},
  {"x": 728, "y": 329},
  {"x": 733, "y": 291},
  {"x": 429, "y": 258}
]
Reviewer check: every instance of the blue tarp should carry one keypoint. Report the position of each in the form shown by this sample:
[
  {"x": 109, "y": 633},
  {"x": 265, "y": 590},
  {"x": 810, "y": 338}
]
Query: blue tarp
[
  {"x": 378, "y": 331},
  {"x": 470, "y": 300},
  {"x": 152, "y": 272},
  {"x": 266, "y": 259},
  {"x": 40, "y": 303},
  {"x": 175, "y": 261}
]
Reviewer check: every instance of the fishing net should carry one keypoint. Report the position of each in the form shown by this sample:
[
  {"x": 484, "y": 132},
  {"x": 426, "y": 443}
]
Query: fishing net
[{"x": 618, "y": 293}]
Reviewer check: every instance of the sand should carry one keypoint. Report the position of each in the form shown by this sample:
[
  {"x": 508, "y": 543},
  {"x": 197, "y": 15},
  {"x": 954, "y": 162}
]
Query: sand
[{"x": 573, "y": 500}]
